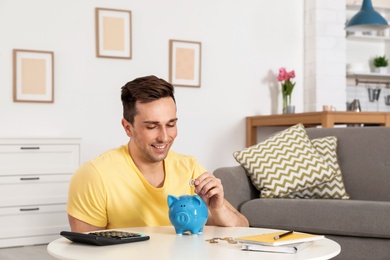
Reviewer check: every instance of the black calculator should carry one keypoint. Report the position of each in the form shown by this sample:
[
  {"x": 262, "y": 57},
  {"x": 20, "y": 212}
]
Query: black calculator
[{"x": 104, "y": 238}]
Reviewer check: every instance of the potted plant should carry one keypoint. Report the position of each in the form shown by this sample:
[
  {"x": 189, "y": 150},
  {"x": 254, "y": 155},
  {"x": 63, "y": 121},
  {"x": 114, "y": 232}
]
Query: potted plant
[{"x": 380, "y": 64}]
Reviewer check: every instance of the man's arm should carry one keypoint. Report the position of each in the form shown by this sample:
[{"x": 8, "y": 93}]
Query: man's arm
[
  {"x": 222, "y": 213},
  {"x": 227, "y": 216},
  {"x": 77, "y": 225}
]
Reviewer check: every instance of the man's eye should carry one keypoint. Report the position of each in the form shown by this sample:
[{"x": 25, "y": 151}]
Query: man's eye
[
  {"x": 171, "y": 125},
  {"x": 150, "y": 127}
]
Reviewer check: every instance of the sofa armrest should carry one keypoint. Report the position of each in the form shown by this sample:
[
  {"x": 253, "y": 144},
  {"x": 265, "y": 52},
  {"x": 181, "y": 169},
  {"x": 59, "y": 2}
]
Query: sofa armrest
[{"x": 237, "y": 186}]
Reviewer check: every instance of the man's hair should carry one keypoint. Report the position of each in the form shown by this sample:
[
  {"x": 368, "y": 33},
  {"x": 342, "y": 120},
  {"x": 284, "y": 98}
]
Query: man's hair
[{"x": 143, "y": 90}]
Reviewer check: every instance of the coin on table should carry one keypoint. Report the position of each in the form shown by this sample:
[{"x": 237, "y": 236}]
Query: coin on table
[{"x": 192, "y": 182}]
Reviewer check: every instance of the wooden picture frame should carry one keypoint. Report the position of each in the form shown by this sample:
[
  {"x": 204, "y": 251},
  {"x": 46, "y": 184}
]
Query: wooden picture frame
[
  {"x": 185, "y": 63},
  {"x": 113, "y": 33},
  {"x": 33, "y": 76}
]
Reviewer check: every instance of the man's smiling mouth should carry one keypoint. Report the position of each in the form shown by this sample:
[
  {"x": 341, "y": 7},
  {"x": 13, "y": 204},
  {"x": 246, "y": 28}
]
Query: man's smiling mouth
[{"x": 159, "y": 146}]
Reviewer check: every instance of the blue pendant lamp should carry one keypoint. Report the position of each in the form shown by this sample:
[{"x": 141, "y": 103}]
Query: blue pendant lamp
[{"x": 367, "y": 19}]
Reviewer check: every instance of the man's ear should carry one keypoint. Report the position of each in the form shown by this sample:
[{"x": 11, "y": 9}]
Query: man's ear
[{"x": 127, "y": 127}]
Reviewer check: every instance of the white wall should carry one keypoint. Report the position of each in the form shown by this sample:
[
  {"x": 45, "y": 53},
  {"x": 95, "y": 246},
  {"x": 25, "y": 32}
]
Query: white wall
[
  {"x": 243, "y": 45},
  {"x": 324, "y": 55}
]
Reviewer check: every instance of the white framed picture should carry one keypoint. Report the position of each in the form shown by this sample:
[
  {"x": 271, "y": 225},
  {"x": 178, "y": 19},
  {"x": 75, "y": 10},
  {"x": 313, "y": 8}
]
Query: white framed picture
[
  {"x": 113, "y": 33},
  {"x": 33, "y": 78},
  {"x": 185, "y": 63}
]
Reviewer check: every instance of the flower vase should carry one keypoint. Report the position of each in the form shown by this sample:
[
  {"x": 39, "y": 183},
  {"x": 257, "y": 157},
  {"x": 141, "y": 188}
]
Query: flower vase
[{"x": 287, "y": 107}]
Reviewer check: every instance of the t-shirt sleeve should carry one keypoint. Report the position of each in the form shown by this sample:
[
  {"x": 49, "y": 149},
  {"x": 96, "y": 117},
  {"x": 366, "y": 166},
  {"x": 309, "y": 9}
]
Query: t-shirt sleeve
[{"x": 87, "y": 196}]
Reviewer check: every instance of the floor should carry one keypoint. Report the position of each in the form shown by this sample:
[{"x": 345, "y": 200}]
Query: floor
[{"x": 37, "y": 252}]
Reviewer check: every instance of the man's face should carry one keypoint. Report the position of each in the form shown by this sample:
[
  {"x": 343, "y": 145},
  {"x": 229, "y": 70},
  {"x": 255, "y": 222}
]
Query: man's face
[{"x": 153, "y": 131}]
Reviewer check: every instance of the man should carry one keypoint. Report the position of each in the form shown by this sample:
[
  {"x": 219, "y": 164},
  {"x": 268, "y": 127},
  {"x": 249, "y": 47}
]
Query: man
[{"x": 128, "y": 186}]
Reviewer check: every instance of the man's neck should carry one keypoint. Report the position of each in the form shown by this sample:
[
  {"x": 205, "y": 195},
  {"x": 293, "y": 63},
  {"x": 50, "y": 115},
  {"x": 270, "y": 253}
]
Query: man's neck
[{"x": 153, "y": 172}]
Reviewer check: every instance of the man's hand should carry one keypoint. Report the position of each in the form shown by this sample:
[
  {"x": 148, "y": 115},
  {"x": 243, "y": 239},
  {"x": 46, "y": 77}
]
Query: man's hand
[
  {"x": 222, "y": 213},
  {"x": 210, "y": 189}
]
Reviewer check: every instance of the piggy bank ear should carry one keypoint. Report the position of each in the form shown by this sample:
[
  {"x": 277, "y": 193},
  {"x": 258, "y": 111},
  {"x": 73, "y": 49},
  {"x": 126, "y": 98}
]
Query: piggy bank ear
[
  {"x": 197, "y": 199},
  {"x": 171, "y": 199}
]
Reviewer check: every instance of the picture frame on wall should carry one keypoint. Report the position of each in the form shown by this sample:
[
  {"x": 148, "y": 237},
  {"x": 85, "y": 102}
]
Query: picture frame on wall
[
  {"x": 113, "y": 33},
  {"x": 185, "y": 63},
  {"x": 33, "y": 76}
]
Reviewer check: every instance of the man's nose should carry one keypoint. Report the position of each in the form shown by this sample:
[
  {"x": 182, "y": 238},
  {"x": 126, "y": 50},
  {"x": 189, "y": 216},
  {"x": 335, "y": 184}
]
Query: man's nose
[{"x": 162, "y": 135}]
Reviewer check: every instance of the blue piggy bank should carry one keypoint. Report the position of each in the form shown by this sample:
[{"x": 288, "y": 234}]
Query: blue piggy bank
[{"x": 187, "y": 213}]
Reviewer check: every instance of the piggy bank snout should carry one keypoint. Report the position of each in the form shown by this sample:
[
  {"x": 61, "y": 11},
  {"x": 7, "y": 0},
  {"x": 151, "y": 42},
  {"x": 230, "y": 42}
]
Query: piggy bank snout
[{"x": 183, "y": 217}]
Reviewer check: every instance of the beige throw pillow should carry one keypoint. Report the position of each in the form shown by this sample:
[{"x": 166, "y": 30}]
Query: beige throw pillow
[
  {"x": 334, "y": 189},
  {"x": 284, "y": 163}
]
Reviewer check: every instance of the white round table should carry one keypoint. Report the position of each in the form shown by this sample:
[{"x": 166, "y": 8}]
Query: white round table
[{"x": 165, "y": 244}]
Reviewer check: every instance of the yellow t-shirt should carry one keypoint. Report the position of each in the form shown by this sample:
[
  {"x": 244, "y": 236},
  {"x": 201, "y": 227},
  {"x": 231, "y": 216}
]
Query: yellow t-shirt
[{"x": 109, "y": 191}]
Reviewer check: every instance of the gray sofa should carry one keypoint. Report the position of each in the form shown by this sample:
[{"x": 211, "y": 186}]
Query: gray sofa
[{"x": 361, "y": 225}]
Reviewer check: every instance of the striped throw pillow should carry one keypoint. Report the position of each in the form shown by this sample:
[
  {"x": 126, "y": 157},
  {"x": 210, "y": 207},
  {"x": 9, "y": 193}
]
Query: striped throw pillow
[
  {"x": 284, "y": 163},
  {"x": 334, "y": 189}
]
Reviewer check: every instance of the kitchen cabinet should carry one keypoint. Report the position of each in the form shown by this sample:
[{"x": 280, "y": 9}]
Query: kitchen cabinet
[
  {"x": 34, "y": 180},
  {"x": 370, "y": 46},
  {"x": 363, "y": 47}
]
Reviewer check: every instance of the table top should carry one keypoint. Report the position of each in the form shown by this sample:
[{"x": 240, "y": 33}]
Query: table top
[{"x": 165, "y": 244}]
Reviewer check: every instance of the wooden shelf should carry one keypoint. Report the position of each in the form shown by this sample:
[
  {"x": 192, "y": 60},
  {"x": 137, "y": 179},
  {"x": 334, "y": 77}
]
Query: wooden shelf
[
  {"x": 357, "y": 7},
  {"x": 370, "y": 78},
  {"x": 375, "y": 76},
  {"x": 326, "y": 119},
  {"x": 372, "y": 38}
]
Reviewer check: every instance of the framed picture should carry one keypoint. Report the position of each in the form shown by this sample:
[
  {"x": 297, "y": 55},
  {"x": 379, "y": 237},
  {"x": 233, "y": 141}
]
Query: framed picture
[
  {"x": 33, "y": 79},
  {"x": 185, "y": 63},
  {"x": 113, "y": 33}
]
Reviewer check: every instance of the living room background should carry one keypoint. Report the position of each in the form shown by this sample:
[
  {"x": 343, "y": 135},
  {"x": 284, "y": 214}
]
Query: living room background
[{"x": 243, "y": 46}]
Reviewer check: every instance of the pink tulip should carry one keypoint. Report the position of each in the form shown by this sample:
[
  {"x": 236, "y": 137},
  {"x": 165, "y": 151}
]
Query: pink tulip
[
  {"x": 284, "y": 77},
  {"x": 291, "y": 75},
  {"x": 282, "y": 74}
]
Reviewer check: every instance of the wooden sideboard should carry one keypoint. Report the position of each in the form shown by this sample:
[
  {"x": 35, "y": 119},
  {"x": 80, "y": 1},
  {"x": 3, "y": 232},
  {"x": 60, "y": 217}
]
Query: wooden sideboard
[{"x": 326, "y": 119}]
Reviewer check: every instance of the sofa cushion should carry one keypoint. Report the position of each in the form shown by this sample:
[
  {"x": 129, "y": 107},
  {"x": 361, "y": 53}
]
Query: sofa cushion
[
  {"x": 364, "y": 158},
  {"x": 334, "y": 189},
  {"x": 284, "y": 163},
  {"x": 337, "y": 217}
]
